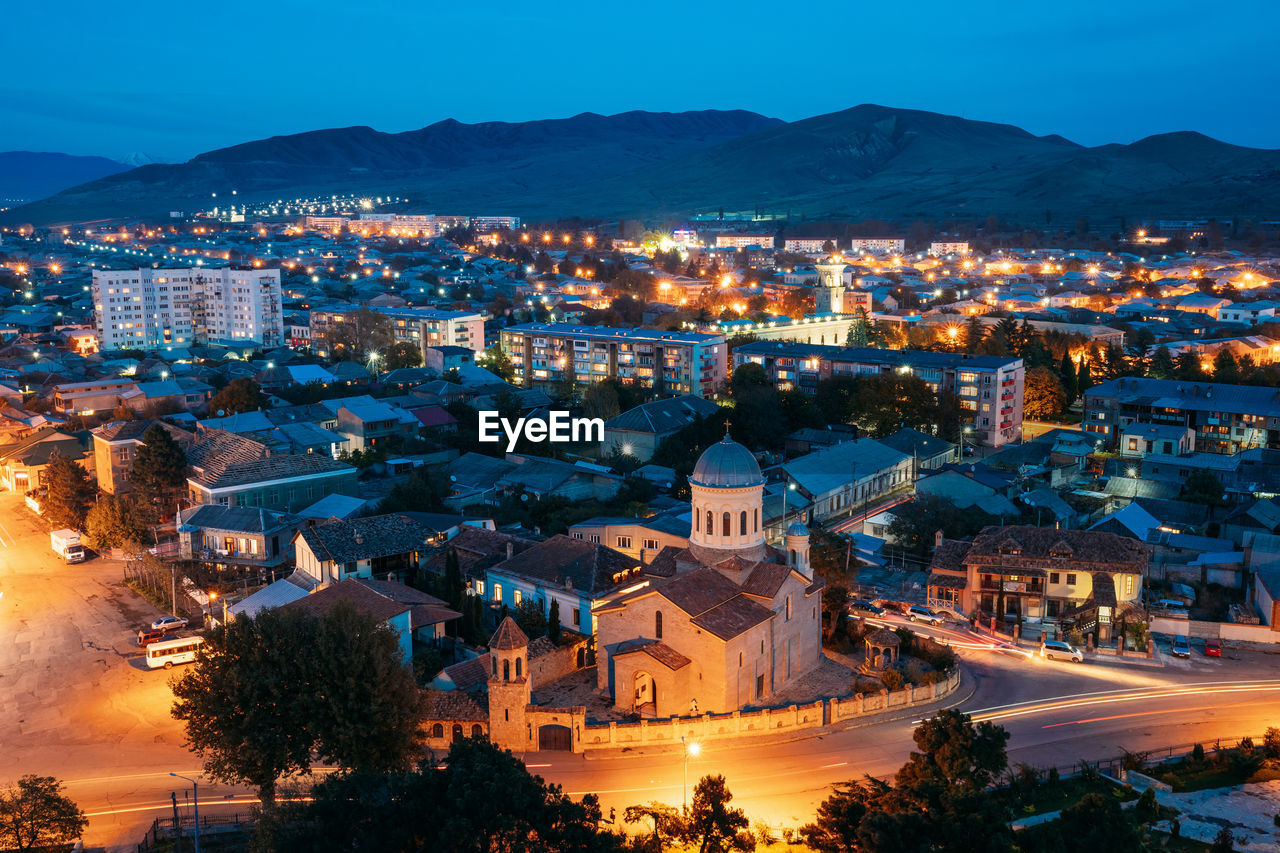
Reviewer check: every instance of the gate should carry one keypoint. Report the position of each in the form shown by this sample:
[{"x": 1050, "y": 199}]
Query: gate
[{"x": 555, "y": 737}]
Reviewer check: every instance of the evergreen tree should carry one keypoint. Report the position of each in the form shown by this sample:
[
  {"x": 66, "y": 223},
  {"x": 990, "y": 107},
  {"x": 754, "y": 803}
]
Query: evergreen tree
[
  {"x": 1067, "y": 373},
  {"x": 858, "y": 336},
  {"x": 1161, "y": 365},
  {"x": 974, "y": 332},
  {"x": 1084, "y": 379},
  {"x": 68, "y": 492},
  {"x": 553, "y": 621},
  {"x": 1225, "y": 368},
  {"x": 158, "y": 472},
  {"x": 454, "y": 589}
]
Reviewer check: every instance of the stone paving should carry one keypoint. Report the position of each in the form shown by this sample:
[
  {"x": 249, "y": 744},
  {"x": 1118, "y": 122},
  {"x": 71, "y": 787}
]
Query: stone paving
[{"x": 1248, "y": 810}]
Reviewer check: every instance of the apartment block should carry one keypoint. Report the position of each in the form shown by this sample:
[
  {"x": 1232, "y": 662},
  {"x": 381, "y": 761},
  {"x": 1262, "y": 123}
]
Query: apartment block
[
  {"x": 989, "y": 387},
  {"x": 423, "y": 327},
  {"x": 669, "y": 362},
  {"x": 159, "y": 309},
  {"x": 803, "y": 246},
  {"x": 743, "y": 241},
  {"x": 877, "y": 245},
  {"x": 1225, "y": 418}
]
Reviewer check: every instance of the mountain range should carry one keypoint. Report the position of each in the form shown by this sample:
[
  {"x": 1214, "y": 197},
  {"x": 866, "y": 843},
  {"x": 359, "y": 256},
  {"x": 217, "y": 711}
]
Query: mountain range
[
  {"x": 28, "y": 175},
  {"x": 865, "y": 162}
]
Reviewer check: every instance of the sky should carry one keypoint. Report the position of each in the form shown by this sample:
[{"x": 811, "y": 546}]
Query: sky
[{"x": 173, "y": 79}]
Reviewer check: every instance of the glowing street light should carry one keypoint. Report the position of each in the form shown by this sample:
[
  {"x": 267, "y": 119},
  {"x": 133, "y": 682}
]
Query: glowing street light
[{"x": 693, "y": 748}]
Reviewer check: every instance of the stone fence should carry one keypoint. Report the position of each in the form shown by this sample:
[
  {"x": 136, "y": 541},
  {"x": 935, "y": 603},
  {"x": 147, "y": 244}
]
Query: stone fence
[
  {"x": 765, "y": 723},
  {"x": 1220, "y": 630}
]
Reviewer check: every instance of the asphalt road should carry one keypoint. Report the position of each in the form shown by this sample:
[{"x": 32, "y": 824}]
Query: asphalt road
[{"x": 77, "y": 703}]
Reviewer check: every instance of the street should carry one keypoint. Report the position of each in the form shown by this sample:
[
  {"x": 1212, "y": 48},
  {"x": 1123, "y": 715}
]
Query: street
[{"x": 77, "y": 703}]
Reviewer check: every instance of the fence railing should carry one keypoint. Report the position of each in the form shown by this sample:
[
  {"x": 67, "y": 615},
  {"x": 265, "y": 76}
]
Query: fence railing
[
  {"x": 1112, "y": 766},
  {"x": 165, "y": 829}
]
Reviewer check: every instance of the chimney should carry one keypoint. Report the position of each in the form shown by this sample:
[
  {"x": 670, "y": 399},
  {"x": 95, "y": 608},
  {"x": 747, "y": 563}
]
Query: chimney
[
  {"x": 937, "y": 538},
  {"x": 511, "y": 549},
  {"x": 359, "y": 538}
]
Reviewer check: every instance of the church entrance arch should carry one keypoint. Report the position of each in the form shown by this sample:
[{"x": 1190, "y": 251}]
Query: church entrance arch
[{"x": 645, "y": 693}]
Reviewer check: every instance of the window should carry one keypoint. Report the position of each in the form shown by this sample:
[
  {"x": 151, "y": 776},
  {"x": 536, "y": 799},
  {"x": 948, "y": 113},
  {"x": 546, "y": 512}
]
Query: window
[
  {"x": 697, "y": 521},
  {"x": 739, "y": 659},
  {"x": 756, "y": 513},
  {"x": 624, "y": 541},
  {"x": 724, "y": 525},
  {"x": 1053, "y": 577},
  {"x": 577, "y": 617},
  {"x": 742, "y": 527},
  {"x": 506, "y": 670},
  {"x": 1071, "y": 579},
  {"x": 437, "y": 730},
  {"x": 480, "y": 588},
  {"x": 1128, "y": 585},
  {"x": 657, "y": 625},
  {"x": 476, "y": 731},
  {"x": 495, "y": 666},
  {"x": 711, "y": 527},
  {"x": 593, "y": 538},
  {"x": 788, "y": 608},
  {"x": 519, "y": 597},
  {"x": 1133, "y": 444},
  {"x": 497, "y": 592},
  {"x": 651, "y": 544},
  {"x": 517, "y": 667}
]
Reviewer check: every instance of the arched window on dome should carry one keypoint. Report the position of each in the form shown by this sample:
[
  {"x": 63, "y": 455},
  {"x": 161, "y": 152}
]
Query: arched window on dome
[
  {"x": 756, "y": 512},
  {"x": 518, "y": 659},
  {"x": 697, "y": 521},
  {"x": 711, "y": 526},
  {"x": 725, "y": 525},
  {"x": 743, "y": 523}
]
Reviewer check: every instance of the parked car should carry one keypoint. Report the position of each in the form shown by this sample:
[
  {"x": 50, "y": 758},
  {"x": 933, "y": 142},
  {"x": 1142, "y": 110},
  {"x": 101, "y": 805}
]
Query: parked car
[
  {"x": 866, "y": 607},
  {"x": 1060, "y": 650},
  {"x": 1213, "y": 648},
  {"x": 147, "y": 636},
  {"x": 169, "y": 623},
  {"x": 920, "y": 613},
  {"x": 1181, "y": 648}
]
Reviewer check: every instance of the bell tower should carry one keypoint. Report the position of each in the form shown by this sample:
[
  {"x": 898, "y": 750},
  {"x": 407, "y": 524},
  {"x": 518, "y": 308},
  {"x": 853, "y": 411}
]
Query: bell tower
[
  {"x": 509, "y": 690},
  {"x": 797, "y": 542},
  {"x": 829, "y": 295}
]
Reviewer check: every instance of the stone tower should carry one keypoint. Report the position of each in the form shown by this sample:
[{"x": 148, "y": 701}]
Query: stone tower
[
  {"x": 829, "y": 295},
  {"x": 509, "y": 690},
  {"x": 797, "y": 541},
  {"x": 727, "y": 495}
]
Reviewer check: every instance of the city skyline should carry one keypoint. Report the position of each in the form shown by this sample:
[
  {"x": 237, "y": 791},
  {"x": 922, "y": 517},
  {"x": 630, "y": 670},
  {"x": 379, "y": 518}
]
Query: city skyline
[{"x": 988, "y": 65}]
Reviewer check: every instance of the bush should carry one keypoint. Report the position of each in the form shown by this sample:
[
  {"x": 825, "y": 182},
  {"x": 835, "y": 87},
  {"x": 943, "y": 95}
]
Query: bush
[
  {"x": 914, "y": 673},
  {"x": 1054, "y": 778},
  {"x": 1197, "y": 753},
  {"x": 891, "y": 679},
  {"x": 1147, "y": 810},
  {"x": 1246, "y": 743},
  {"x": 1271, "y": 743}
]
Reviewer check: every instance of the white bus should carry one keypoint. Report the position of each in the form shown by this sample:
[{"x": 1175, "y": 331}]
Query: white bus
[{"x": 168, "y": 652}]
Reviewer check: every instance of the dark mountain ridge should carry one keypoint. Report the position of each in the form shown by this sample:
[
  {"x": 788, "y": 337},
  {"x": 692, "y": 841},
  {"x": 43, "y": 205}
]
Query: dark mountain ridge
[{"x": 869, "y": 161}]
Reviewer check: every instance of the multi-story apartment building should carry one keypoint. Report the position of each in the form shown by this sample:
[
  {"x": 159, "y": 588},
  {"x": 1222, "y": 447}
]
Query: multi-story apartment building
[
  {"x": 490, "y": 223},
  {"x": 878, "y": 245},
  {"x": 955, "y": 247},
  {"x": 324, "y": 223},
  {"x": 989, "y": 387},
  {"x": 424, "y": 327},
  {"x": 669, "y": 362},
  {"x": 159, "y": 309},
  {"x": 803, "y": 246},
  {"x": 737, "y": 240},
  {"x": 1226, "y": 418}
]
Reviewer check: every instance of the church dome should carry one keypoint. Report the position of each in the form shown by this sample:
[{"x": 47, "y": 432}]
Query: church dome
[
  {"x": 797, "y": 529},
  {"x": 726, "y": 464}
]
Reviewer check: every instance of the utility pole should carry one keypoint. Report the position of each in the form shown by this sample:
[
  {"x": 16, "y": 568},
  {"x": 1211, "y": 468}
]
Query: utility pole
[
  {"x": 177, "y": 833},
  {"x": 173, "y": 579}
]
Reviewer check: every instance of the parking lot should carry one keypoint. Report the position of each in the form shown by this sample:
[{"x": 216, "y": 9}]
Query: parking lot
[{"x": 76, "y": 698}]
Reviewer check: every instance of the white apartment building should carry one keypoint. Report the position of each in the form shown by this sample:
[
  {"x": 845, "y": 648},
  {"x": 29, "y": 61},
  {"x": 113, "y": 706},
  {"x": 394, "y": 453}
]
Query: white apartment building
[
  {"x": 939, "y": 248},
  {"x": 158, "y": 309},
  {"x": 877, "y": 245},
  {"x": 805, "y": 246},
  {"x": 495, "y": 223},
  {"x": 425, "y": 327},
  {"x": 744, "y": 241}
]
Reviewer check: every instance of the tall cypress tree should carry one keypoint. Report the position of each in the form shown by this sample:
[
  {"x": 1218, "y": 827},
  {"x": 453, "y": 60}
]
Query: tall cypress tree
[
  {"x": 1083, "y": 380},
  {"x": 158, "y": 471},
  {"x": 1067, "y": 372},
  {"x": 453, "y": 586},
  {"x": 553, "y": 621}
]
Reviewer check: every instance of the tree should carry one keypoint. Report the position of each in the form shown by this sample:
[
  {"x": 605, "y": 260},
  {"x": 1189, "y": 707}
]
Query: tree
[
  {"x": 1147, "y": 810},
  {"x": 158, "y": 472},
  {"x": 530, "y": 618},
  {"x": 1225, "y": 368},
  {"x": 68, "y": 492},
  {"x": 113, "y": 523},
  {"x": 1203, "y": 487},
  {"x": 1043, "y": 396},
  {"x": 915, "y": 524},
  {"x": 1067, "y": 373},
  {"x": 482, "y": 799},
  {"x": 402, "y": 354},
  {"x": 553, "y": 621},
  {"x": 712, "y": 824},
  {"x": 1161, "y": 365},
  {"x": 239, "y": 395},
  {"x": 1187, "y": 367},
  {"x": 454, "y": 588},
  {"x": 974, "y": 333},
  {"x": 858, "y": 335},
  {"x": 1084, "y": 379},
  {"x": 600, "y": 400},
  {"x": 1224, "y": 841},
  {"x": 36, "y": 815},
  {"x": 270, "y": 692},
  {"x": 667, "y": 824},
  {"x": 1098, "y": 824}
]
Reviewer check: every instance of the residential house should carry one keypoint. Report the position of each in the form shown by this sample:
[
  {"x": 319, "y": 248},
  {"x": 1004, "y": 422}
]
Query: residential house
[
  {"x": 22, "y": 463},
  {"x": 638, "y": 538},
  {"x": 376, "y": 546},
  {"x": 847, "y": 478},
  {"x": 240, "y": 537},
  {"x": 639, "y": 431},
  {"x": 115, "y": 444},
  {"x": 1139, "y": 439},
  {"x": 232, "y": 470},
  {"x": 366, "y": 426}
]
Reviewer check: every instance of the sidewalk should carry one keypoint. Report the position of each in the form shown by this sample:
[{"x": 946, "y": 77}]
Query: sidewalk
[{"x": 1107, "y": 657}]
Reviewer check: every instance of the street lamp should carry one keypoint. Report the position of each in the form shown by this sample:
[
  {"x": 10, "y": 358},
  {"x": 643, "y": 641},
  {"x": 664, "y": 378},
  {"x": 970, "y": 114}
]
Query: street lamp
[
  {"x": 691, "y": 747},
  {"x": 195, "y": 800}
]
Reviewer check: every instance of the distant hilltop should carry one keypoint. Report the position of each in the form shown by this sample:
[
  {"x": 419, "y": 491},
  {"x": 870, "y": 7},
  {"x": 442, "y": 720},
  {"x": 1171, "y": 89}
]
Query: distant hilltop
[{"x": 868, "y": 162}]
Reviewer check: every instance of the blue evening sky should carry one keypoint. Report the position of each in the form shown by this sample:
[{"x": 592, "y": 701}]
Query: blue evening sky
[{"x": 172, "y": 79}]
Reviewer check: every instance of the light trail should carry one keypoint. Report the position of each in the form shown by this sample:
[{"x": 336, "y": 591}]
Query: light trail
[
  {"x": 1136, "y": 696},
  {"x": 1144, "y": 714}
]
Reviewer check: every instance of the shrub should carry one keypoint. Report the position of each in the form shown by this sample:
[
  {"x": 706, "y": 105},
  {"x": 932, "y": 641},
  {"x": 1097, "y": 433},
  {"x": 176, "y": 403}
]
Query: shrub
[
  {"x": 914, "y": 673},
  {"x": 1053, "y": 776},
  {"x": 1197, "y": 753},
  {"x": 1134, "y": 760},
  {"x": 1246, "y": 743},
  {"x": 891, "y": 679},
  {"x": 1271, "y": 743},
  {"x": 1147, "y": 810}
]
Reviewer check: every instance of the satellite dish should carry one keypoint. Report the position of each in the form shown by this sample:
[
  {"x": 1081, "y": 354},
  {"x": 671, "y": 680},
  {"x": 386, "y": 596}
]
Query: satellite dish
[
  {"x": 221, "y": 412},
  {"x": 524, "y": 497},
  {"x": 453, "y": 478}
]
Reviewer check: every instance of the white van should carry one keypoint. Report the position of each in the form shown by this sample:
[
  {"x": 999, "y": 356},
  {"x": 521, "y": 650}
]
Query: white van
[{"x": 168, "y": 652}]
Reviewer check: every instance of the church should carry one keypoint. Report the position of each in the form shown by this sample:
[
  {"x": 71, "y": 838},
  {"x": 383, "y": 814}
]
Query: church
[{"x": 723, "y": 623}]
